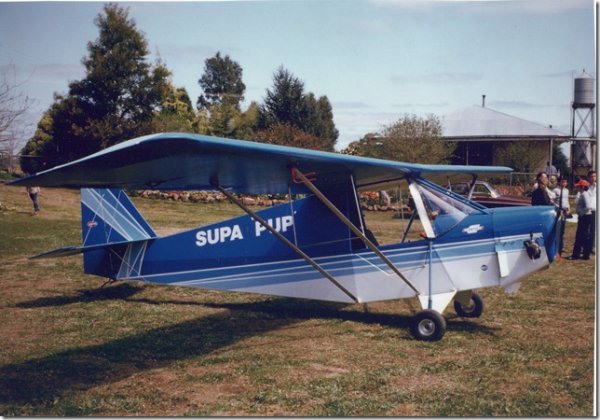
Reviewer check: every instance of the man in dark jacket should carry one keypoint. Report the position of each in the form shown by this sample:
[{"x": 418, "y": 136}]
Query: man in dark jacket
[{"x": 541, "y": 195}]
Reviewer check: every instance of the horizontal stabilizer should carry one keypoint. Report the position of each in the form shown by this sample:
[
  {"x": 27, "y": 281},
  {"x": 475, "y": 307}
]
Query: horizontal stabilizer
[{"x": 74, "y": 250}]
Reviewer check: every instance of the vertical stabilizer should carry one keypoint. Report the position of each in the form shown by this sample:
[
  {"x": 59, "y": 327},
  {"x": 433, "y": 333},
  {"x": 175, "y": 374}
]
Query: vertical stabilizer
[{"x": 108, "y": 216}]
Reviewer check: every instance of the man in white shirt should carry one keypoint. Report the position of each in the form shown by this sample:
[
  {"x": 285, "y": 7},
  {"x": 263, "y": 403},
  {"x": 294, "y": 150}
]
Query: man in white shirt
[
  {"x": 593, "y": 198},
  {"x": 583, "y": 241}
]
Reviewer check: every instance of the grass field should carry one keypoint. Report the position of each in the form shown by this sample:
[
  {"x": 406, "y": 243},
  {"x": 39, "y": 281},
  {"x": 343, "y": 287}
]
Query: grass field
[{"x": 72, "y": 349}]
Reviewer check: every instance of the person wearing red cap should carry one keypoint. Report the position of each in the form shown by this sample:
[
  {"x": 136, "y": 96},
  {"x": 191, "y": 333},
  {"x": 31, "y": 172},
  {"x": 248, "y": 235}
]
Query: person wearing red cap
[{"x": 583, "y": 206}]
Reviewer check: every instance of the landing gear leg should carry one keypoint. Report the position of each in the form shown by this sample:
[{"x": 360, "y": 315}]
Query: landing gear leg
[{"x": 428, "y": 325}]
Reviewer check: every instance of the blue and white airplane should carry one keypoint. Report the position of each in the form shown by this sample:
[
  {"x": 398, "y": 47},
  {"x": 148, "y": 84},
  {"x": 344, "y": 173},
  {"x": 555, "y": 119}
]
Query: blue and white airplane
[{"x": 316, "y": 247}]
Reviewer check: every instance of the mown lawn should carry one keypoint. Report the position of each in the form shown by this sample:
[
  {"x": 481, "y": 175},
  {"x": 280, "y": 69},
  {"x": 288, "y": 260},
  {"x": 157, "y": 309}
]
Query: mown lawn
[{"x": 71, "y": 348}]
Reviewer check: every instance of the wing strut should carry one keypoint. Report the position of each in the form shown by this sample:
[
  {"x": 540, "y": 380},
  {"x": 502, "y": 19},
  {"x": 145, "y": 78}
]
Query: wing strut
[
  {"x": 286, "y": 241},
  {"x": 299, "y": 175}
]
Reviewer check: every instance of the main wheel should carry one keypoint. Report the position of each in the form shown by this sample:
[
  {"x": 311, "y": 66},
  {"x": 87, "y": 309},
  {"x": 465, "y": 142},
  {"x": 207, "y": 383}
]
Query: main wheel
[
  {"x": 473, "y": 310},
  {"x": 428, "y": 325}
]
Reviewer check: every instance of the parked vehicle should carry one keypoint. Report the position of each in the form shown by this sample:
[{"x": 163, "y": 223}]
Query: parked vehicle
[{"x": 484, "y": 193}]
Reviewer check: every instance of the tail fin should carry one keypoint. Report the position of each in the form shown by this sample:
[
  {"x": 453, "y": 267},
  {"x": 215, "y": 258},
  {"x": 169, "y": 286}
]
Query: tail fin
[
  {"x": 109, "y": 216},
  {"x": 115, "y": 235}
]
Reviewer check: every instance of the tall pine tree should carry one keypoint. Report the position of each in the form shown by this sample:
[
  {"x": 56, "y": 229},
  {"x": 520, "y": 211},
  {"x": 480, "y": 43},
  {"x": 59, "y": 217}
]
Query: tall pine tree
[
  {"x": 221, "y": 83},
  {"x": 115, "y": 101},
  {"x": 287, "y": 105}
]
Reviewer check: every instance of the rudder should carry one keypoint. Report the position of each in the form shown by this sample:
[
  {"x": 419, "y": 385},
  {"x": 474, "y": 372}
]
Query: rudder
[{"x": 108, "y": 216}]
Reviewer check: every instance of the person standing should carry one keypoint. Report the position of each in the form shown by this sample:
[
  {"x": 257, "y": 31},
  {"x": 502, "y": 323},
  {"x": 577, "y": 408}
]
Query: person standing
[
  {"x": 33, "y": 194},
  {"x": 593, "y": 198},
  {"x": 541, "y": 196},
  {"x": 561, "y": 193},
  {"x": 551, "y": 169},
  {"x": 583, "y": 245}
]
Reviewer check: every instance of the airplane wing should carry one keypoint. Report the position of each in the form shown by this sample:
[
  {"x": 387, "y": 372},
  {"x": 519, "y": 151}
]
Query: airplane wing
[{"x": 180, "y": 161}]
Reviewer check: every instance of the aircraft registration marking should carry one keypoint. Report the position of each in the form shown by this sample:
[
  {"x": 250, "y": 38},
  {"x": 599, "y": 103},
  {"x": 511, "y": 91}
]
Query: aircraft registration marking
[{"x": 221, "y": 234}]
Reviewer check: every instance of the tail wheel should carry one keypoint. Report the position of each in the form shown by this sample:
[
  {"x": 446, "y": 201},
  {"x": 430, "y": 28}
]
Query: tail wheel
[
  {"x": 473, "y": 310},
  {"x": 428, "y": 325}
]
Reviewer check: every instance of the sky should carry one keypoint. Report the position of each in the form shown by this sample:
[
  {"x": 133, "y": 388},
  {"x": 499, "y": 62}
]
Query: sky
[{"x": 375, "y": 60}]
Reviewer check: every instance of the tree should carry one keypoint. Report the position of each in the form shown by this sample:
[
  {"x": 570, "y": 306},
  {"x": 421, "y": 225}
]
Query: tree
[
  {"x": 38, "y": 151},
  {"x": 13, "y": 108},
  {"x": 176, "y": 114},
  {"x": 117, "y": 99},
  {"x": 288, "y": 135},
  {"x": 222, "y": 118},
  {"x": 287, "y": 104},
  {"x": 13, "y": 104},
  {"x": 246, "y": 123},
  {"x": 221, "y": 83},
  {"x": 522, "y": 156},
  {"x": 410, "y": 139},
  {"x": 369, "y": 145},
  {"x": 319, "y": 120}
]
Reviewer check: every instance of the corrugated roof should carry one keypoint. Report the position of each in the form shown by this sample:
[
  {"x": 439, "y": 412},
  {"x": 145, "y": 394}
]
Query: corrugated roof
[{"x": 480, "y": 123}]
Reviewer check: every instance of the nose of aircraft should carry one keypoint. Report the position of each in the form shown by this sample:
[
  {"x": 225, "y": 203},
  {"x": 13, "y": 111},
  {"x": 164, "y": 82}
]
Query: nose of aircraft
[{"x": 529, "y": 220}]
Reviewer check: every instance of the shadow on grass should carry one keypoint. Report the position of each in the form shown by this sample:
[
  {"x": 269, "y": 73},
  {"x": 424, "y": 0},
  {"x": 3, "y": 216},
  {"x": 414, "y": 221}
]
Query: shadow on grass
[
  {"x": 283, "y": 308},
  {"x": 305, "y": 309},
  {"x": 41, "y": 381},
  {"x": 122, "y": 291}
]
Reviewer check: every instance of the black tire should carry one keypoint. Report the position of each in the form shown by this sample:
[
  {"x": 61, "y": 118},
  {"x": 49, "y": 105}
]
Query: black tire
[
  {"x": 474, "y": 310},
  {"x": 428, "y": 325}
]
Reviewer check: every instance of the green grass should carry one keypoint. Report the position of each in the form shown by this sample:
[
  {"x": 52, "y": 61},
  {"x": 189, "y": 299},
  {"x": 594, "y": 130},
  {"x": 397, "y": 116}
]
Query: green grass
[{"x": 72, "y": 349}]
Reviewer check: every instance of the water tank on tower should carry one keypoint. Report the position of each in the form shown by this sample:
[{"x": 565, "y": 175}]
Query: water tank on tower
[
  {"x": 583, "y": 125},
  {"x": 583, "y": 95}
]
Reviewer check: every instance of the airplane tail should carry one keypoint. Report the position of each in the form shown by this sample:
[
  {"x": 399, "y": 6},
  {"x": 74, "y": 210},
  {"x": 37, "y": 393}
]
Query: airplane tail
[
  {"x": 108, "y": 216},
  {"x": 115, "y": 235}
]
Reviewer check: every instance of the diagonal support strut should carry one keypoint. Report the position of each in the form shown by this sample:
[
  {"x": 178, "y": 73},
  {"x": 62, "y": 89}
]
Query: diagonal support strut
[
  {"x": 286, "y": 241},
  {"x": 351, "y": 226}
]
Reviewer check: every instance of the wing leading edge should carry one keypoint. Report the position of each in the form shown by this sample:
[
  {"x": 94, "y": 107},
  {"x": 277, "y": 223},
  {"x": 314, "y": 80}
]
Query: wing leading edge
[{"x": 180, "y": 161}]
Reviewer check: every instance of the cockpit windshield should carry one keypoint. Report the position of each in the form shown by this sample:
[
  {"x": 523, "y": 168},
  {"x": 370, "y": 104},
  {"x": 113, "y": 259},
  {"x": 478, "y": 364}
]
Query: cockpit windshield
[
  {"x": 443, "y": 209},
  {"x": 422, "y": 210}
]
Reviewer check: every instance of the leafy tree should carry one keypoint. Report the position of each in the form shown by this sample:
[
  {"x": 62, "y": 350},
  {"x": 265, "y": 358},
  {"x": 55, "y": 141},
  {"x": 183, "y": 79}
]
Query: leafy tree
[
  {"x": 245, "y": 123},
  {"x": 410, "y": 139},
  {"x": 522, "y": 156},
  {"x": 222, "y": 120},
  {"x": 221, "y": 83},
  {"x": 288, "y": 135},
  {"x": 228, "y": 121},
  {"x": 176, "y": 114},
  {"x": 118, "y": 97},
  {"x": 369, "y": 145},
  {"x": 287, "y": 104},
  {"x": 36, "y": 153}
]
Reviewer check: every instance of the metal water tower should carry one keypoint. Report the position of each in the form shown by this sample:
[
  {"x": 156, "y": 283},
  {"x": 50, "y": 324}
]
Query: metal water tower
[{"x": 583, "y": 125}]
